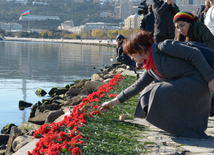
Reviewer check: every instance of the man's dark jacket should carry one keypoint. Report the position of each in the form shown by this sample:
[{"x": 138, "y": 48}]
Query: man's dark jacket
[
  {"x": 147, "y": 23},
  {"x": 164, "y": 14}
]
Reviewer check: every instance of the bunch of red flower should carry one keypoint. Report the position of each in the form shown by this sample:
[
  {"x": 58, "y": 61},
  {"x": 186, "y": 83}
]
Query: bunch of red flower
[{"x": 64, "y": 136}]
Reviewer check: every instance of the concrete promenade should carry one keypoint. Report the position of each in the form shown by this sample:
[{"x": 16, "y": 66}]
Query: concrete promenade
[
  {"x": 159, "y": 142},
  {"x": 107, "y": 42}
]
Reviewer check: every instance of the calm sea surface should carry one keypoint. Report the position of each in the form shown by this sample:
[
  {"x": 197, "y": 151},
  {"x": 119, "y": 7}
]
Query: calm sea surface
[{"x": 27, "y": 66}]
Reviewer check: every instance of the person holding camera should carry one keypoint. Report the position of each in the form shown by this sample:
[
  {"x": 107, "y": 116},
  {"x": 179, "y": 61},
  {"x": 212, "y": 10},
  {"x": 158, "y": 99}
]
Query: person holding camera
[
  {"x": 121, "y": 56},
  {"x": 164, "y": 12},
  {"x": 147, "y": 23}
]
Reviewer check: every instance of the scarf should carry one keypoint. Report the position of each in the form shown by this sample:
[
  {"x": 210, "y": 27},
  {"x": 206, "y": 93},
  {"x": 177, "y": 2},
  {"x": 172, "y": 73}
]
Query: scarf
[{"x": 149, "y": 63}]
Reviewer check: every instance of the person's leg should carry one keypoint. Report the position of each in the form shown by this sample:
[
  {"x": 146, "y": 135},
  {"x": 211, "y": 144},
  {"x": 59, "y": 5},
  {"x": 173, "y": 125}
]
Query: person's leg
[
  {"x": 119, "y": 59},
  {"x": 127, "y": 61}
]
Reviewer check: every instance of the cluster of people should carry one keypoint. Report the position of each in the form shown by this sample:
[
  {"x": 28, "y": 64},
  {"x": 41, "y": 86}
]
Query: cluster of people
[{"x": 177, "y": 84}]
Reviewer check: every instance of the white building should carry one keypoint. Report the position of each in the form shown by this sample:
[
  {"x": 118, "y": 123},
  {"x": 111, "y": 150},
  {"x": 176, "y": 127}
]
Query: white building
[
  {"x": 38, "y": 17},
  {"x": 18, "y": 1},
  {"x": 125, "y": 9},
  {"x": 105, "y": 14},
  {"x": 67, "y": 25},
  {"x": 88, "y": 27},
  {"x": 39, "y": 3},
  {"x": 10, "y": 26},
  {"x": 132, "y": 22},
  {"x": 189, "y": 5}
]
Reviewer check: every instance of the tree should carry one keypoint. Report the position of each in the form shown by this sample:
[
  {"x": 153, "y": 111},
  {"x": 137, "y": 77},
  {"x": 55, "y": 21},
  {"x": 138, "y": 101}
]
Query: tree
[
  {"x": 135, "y": 29},
  {"x": 124, "y": 32},
  {"x": 112, "y": 33},
  {"x": 50, "y": 34},
  {"x": 76, "y": 36},
  {"x": 84, "y": 34},
  {"x": 98, "y": 33},
  {"x": 2, "y": 32},
  {"x": 43, "y": 33},
  {"x": 68, "y": 36},
  {"x": 25, "y": 34}
]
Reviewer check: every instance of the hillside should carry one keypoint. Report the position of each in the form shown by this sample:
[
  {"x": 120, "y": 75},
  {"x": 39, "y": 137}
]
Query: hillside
[{"x": 80, "y": 13}]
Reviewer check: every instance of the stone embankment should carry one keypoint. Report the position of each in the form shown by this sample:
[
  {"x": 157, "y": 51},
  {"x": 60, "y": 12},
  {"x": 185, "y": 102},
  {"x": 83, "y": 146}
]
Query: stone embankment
[
  {"x": 155, "y": 140},
  {"x": 52, "y": 109},
  {"x": 106, "y": 42}
]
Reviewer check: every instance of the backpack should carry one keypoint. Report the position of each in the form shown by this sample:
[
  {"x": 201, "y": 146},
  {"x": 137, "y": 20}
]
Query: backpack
[{"x": 207, "y": 51}]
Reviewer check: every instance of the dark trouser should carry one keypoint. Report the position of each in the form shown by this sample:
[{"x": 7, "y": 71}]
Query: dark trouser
[
  {"x": 126, "y": 60},
  {"x": 158, "y": 39}
]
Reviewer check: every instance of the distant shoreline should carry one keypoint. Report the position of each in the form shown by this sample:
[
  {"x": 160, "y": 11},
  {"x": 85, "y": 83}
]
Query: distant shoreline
[{"x": 106, "y": 42}]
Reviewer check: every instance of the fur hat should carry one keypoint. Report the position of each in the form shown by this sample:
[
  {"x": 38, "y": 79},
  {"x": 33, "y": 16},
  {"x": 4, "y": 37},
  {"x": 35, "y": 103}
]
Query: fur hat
[{"x": 185, "y": 16}]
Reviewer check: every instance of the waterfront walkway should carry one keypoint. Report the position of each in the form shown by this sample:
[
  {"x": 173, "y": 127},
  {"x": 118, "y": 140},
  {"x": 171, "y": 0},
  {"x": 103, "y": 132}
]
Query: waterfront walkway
[{"x": 71, "y": 41}]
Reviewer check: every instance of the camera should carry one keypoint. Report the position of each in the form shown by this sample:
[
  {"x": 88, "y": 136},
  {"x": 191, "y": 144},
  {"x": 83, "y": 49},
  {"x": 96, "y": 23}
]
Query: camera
[{"x": 143, "y": 8}]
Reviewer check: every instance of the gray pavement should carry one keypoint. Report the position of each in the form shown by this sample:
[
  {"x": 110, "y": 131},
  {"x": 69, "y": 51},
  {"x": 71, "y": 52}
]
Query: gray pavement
[
  {"x": 158, "y": 141},
  {"x": 163, "y": 143}
]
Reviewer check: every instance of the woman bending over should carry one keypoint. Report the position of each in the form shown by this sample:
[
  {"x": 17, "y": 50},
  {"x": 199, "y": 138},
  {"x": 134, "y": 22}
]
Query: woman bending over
[{"x": 180, "y": 101}]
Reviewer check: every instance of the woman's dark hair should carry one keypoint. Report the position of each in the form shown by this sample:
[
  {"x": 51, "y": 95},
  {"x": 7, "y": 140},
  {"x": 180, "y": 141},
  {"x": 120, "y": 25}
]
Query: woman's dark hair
[
  {"x": 139, "y": 40},
  {"x": 190, "y": 35}
]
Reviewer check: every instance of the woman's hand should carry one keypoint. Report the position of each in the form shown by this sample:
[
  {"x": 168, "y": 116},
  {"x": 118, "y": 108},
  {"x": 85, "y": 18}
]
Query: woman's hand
[
  {"x": 211, "y": 86},
  {"x": 105, "y": 106},
  {"x": 108, "y": 105}
]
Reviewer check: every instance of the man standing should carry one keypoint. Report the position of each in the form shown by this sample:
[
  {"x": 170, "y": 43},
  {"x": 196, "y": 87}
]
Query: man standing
[
  {"x": 147, "y": 23},
  {"x": 164, "y": 12}
]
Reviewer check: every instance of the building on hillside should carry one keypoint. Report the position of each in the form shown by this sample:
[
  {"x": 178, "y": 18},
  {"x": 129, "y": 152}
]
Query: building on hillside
[
  {"x": 38, "y": 17},
  {"x": 78, "y": 0},
  {"x": 125, "y": 9},
  {"x": 135, "y": 9},
  {"x": 136, "y": 2},
  {"x": 88, "y": 27},
  {"x": 17, "y": 1},
  {"x": 189, "y": 5},
  {"x": 66, "y": 25},
  {"x": 132, "y": 22},
  {"x": 39, "y": 3},
  {"x": 118, "y": 11},
  {"x": 21, "y": 1},
  {"x": 10, "y": 26},
  {"x": 105, "y": 14}
]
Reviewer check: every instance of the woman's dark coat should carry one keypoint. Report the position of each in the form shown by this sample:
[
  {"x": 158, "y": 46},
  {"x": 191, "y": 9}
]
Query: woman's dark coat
[
  {"x": 180, "y": 102},
  {"x": 203, "y": 35}
]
